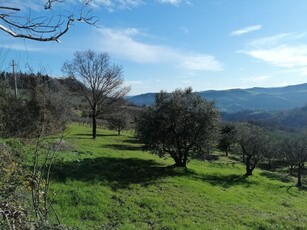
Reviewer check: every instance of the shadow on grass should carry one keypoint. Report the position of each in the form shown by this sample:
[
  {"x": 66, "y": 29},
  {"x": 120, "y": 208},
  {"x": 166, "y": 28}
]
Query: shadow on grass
[
  {"x": 226, "y": 181},
  {"x": 132, "y": 140},
  {"x": 116, "y": 172},
  {"x": 123, "y": 147},
  {"x": 212, "y": 157},
  {"x": 98, "y": 135},
  {"x": 90, "y": 136},
  {"x": 277, "y": 176}
]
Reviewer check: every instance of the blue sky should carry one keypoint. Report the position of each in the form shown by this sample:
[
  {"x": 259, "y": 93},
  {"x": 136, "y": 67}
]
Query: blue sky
[{"x": 170, "y": 44}]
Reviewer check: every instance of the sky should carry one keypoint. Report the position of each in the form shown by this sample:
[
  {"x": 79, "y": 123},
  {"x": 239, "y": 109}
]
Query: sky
[{"x": 171, "y": 44}]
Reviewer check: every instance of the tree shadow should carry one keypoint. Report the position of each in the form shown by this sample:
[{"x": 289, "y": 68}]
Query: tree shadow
[
  {"x": 132, "y": 140},
  {"x": 98, "y": 135},
  {"x": 274, "y": 166},
  {"x": 116, "y": 172},
  {"x": 226, "y": 181},
  {"x": 122, "y": 147},
  {"x": 276, "y": 176},
  {"x": 90, "y": 136},
  {"x": 211, "y": 157}
]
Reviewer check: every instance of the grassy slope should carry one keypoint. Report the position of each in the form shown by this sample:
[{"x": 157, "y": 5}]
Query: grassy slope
[{"x": 110, "y": 183}]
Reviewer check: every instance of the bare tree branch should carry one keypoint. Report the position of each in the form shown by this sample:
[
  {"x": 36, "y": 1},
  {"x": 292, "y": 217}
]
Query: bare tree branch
[
  {"x": 101, "y": 83},
  {"x": 44, "y": 28},
  {"x": 9, "y": 8}
]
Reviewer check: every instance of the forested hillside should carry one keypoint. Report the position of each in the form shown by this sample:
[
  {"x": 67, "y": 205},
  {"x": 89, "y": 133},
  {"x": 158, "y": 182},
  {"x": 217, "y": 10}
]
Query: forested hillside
[{"x": 233, "y": 100}]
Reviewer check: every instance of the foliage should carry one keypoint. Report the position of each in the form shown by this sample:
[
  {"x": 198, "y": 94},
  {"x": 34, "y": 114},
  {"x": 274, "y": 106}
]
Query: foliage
[
  {"x": 294, "y": 149},
  {"x": 13, "y": 209},
  {"x": 43, "y": 110},
  {"x": 180, "y": 124},
  {"x": 253, "y": 142},
  {"x": 118, "y": 121},
  {"x": 227, "y": 137},
  {"x": 24, "y": 200}
]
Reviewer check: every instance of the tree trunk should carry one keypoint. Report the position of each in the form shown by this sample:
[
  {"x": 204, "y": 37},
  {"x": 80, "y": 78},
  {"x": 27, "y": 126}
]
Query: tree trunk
[
  {"x": 180, "y": 162},
  {"x": 299, "y": 176},
  {"x": 249, "y": 168},
  {"x": 291, "y": 170},
  {"x": 94, "y": 132}
]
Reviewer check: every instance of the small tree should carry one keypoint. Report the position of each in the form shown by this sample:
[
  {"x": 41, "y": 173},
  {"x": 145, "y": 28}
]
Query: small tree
[
  {"x": 118, "y": 122},
  {"x": 253, "y": 141},
  {"x": 295, "y": 152},
  {"x": 98, "y": 81},
  {"x": 273, "y": 151},
  {"x": 227, "y": 138},
  {"x": 180, "y": 124}
]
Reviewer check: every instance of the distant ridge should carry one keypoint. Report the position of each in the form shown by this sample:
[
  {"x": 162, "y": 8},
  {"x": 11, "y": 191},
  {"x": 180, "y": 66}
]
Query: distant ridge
[{"x": 257, "y": 98}]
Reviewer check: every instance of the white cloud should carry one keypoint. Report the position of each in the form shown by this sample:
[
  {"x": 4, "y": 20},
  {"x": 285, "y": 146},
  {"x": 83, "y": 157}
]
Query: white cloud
[
  {"x": 282, "y": 56},
  {"x": 245, "y": 30},
  {"x": 124, "y": 44},
  {"x": 281, "y": 50},
  {"x": 116, "y": 4},
  {"x": 275, "y": 40},
  {"x": 175, "y": 2},
  {"x": 200, "y": 62}
]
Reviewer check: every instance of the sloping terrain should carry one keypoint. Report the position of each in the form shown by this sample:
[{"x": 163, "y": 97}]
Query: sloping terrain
[
  {"x": 270, "y": 99},
  {"x": 109, "y": 183}
]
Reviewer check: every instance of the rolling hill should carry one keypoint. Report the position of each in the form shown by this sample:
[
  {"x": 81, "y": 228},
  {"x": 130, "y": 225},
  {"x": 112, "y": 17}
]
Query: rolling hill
[{"x": 233, "y": 100}]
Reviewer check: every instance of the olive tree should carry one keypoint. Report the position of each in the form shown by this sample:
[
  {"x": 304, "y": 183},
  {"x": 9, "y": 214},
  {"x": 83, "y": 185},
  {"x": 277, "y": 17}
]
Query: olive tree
[
  {"x": 294, "y": 149},
  {"x": 253, "y": 143},
  {"x": 99, "y": 81},
  {"x": 118, "y": 121},
  {"x": 227, "y": 137},
  {"x": 180, "y": 124}
]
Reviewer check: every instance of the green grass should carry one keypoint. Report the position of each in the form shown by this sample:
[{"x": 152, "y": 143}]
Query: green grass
[{"x": 109, "y": 183}]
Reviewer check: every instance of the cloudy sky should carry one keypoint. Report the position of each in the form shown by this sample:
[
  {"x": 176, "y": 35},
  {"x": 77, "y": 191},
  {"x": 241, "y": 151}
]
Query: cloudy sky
[{"x": 169, "y": 44}]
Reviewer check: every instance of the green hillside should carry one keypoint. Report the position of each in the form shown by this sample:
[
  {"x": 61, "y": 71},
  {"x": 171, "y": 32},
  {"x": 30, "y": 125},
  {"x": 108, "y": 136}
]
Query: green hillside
[{"x": 109, "y": 183}]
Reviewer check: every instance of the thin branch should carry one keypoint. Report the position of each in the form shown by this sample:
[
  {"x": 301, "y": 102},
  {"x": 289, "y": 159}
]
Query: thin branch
[
  {"x": 9, "y": 8},
  {"x": 45, "y": 28}
]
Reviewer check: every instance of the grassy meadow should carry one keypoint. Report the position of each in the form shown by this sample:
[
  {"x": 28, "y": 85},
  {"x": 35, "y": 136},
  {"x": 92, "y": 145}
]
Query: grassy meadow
[{"x": 110, "y": 183}]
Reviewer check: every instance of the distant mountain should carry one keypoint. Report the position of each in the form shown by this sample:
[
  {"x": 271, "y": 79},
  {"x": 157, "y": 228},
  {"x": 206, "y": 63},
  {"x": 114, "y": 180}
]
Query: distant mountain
[
  {"x": 146, "y": 99},
  {"x": 291, "y": 119},
  {"x": 233, "y": 100}
]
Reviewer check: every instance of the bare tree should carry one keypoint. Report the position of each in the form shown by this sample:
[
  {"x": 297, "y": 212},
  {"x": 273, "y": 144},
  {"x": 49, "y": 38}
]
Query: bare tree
[
  {"x": 99, "y": 82},
  {"x": 18, "y": 19}
]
